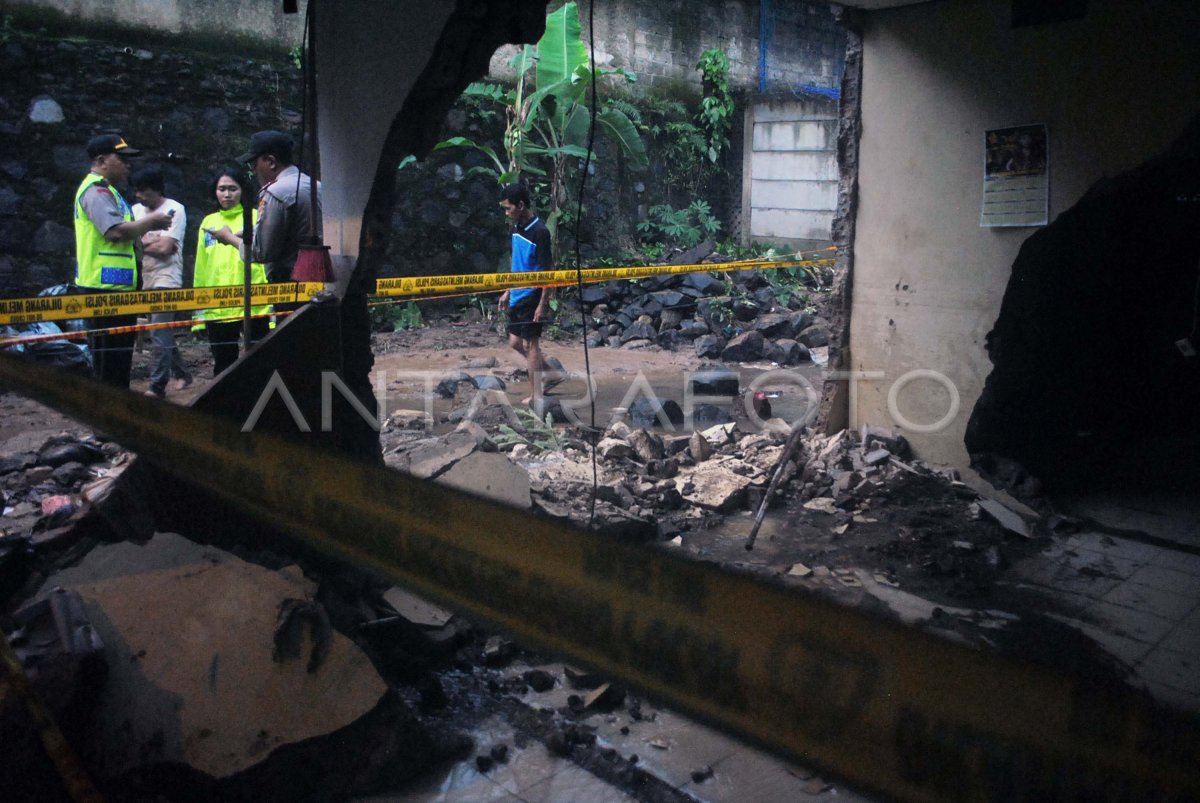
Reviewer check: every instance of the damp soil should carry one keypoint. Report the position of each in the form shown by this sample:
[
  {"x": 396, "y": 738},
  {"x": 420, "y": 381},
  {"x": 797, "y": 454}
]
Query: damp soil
[{"x": 917, "y": 531}]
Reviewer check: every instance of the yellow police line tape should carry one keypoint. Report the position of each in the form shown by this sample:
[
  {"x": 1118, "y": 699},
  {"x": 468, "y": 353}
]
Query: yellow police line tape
[
  {"x": 141, "y": 327},
  {"x": 77, "y": 782},
  {"x": 890, "y": 708},
  {"x": 96, "y": 305},
  {"x": 140, "y": 302},
  {"x": 487, "y": 282}
]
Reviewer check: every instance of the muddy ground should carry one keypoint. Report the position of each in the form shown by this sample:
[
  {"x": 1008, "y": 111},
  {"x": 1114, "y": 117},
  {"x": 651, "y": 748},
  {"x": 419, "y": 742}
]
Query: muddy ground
[
  {"x": 917, "y": 530},
  {"x": 898, "y": 525}
]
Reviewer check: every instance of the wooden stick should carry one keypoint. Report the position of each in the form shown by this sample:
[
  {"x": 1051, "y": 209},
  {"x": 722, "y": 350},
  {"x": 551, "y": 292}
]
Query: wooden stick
[{"x": 792, "y": 442}]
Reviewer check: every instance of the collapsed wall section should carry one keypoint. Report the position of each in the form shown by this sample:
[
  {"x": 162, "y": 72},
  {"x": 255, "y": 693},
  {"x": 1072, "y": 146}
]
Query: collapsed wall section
[{"x": 1084, "y": 354}]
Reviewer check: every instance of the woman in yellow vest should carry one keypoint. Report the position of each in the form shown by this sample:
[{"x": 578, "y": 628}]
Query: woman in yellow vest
[{"x": 218, "y": 264}]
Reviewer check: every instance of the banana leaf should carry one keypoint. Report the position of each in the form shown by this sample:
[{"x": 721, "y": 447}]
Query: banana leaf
[
  {"x": 524, "y": 59},
  {"x": 463, "y": 142},
  {"x": 562, "y": 150},
  {"x": 620, "y": 129},
  {"x": 561, "y": 49},
  {"x": 492, "y": 92},
  {"x": 552, "y": 102}
]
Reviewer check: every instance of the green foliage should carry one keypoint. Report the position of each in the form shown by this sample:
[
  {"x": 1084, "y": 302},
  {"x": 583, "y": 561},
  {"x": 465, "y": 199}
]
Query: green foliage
[
  {"x": 738, "y": 252},
  {"x": 681, "y": 227},
  {"x": 549, "y": 126},
  {"x": 790, "y": 285},
  {"x": 720, "y": 311},
  {"x": 538, "y": 434},
  {"x": 486, "y": 305},
  {"x": 680, "y": 144},
  {"x": 499, "y": 170},
  {"x": 296, "y": 56},
  {"x": 390, "y": 317},
  {"x": 716, "y": 108}
]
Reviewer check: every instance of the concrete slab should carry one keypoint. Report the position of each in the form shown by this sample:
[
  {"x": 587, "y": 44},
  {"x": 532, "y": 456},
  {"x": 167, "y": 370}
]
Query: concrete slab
[
  {"x": 1166, "y": 579},
  {"x": 1128, "y": 622},
  {"x": 1178, "y": 561},
  {"x": 189, "y": 635},
  {"x": 575, "y": 784},
  {"x": 1054, "y": 578},
  {"x": 1184, "y": 640},
  {"x": 1185, "y": 701},
  {"x": 1167, "y": 517},
  {"x": 1128, "y": 650},
  {"x": 749, "y": 775},
  {"x": 462, "y": 782},
  {"x": 669, "y": 746},
  {"x": 1108, "y": 545},
  {"x": 1167, "y": 604},
  {"x": 434, "y": 457},
  {"x": 1174, "y": 669},
  {"x": 490, "y": 475},
  {"x": 715, "y": 486},
  {"x": 1191, "y": 621}
]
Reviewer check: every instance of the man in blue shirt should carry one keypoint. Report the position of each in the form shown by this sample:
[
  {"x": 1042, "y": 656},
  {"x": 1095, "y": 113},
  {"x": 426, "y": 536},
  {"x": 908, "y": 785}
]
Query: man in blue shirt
[{"x": 527, "y": 306}]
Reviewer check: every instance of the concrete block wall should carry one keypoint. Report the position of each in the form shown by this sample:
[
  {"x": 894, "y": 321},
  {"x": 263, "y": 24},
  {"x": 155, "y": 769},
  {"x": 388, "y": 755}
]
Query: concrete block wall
[
  {"x": 662, "y": 41},
  {"x": 241, "y": 20},
  {"x": 804, "y": 45}
]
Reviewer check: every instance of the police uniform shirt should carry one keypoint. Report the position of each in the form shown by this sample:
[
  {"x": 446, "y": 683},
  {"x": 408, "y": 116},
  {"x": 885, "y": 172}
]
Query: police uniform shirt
[{"x": 102, "y": 208}]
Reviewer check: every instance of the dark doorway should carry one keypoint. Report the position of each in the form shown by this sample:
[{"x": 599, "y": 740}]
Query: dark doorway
[{"x": 1089, "y": 391}]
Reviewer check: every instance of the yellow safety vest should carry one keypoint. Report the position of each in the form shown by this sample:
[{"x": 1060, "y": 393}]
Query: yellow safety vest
[
  {"x": 98, "y": 262},
  {"x": 219, "y": 264}
]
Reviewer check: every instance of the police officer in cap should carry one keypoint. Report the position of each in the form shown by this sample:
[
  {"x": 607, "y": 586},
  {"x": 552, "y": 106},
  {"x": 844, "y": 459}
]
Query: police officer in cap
[
  {"x": 285, "y": 212},
  {"x": 105, "y": 249}
]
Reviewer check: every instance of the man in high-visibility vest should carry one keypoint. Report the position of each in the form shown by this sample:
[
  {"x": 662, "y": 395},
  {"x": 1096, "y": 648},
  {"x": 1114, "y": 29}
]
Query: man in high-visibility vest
[{"x": 105, "y": 249}]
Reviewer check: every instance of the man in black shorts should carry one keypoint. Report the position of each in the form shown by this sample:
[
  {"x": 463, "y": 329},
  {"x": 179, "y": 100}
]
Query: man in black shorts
[{"x": 527, "y": 306}]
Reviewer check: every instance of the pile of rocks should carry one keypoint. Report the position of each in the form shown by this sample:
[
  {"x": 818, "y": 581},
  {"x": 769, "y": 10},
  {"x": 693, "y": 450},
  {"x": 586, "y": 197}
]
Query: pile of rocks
[
  {"x": 738, "y": 321},
  {"x": 650, "y": 485},
  {"x": 48, "y": 484},
  {"x": 853, "y": 499}
]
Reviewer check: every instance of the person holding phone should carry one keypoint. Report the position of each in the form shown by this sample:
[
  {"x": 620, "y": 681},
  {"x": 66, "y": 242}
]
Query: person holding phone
[
  {"x": 220, "y": 264},
  {"x": 105, "y": 250}
]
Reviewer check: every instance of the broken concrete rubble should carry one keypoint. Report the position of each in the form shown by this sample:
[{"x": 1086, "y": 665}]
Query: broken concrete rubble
[
  {"x": 716, "y": 485},
  {"x": 190, "y": 631},
  {"x": 492, "y": 476},
  {"x": 646, "y": 445},
  {"x": 635, "y": 503},
  {"x": 614, "y": 449},
  {"x": 221, "y": 678}
]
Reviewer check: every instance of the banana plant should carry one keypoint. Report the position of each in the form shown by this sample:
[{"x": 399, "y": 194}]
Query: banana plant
[{"x": 549, "y": 126}]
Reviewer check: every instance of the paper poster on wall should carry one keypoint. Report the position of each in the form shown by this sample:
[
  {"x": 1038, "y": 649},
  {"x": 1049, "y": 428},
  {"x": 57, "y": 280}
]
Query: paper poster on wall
[{"x": 1016, "y": 176}]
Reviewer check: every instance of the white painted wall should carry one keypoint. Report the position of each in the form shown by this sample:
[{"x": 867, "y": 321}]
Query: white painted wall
[
  {"x": 1114, "y": 89},
  {"x": 364, "y": 74},
  {"x": 790, "y": 182}
]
